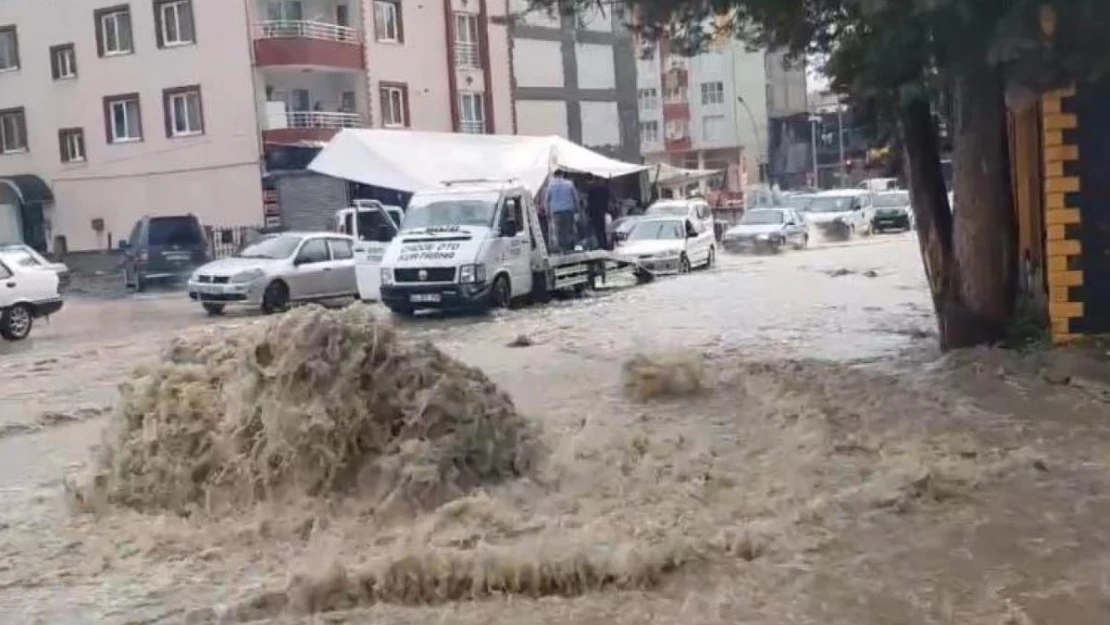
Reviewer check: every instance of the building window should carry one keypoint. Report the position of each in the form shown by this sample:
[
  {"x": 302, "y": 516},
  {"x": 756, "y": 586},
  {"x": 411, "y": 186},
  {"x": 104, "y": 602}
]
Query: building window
[
  {"x": 395, "y": 106},
  {"x": 173, "y": 20},
  {"x": 472, "y": 114},
  {"x": 677, "y": 130},
  {"x": 713, "y": 127},
  {"x": 712, "y": 93},
  {"x": 183, "y": 111},
  {"x": 649, "y": 132},
  {"x": 387, "y": 21},
  {"x": 13, "y": 131},
  {"x": 676, "y": 95},
  {"x": 649, "y": 99},
  {"x": 9, "y": 48},
  {"x": 123, "y": 118},
  {"x": 63, "y": 62},
  {"x": 466, "y": 40},
  {"x": 113, "y": 31},
  {"x": 284, "y": 11},
  {"x": 71, "y": 141}
]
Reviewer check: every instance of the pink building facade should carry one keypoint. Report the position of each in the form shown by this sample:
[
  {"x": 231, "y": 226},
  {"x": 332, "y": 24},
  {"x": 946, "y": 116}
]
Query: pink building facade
[{"x": 109, "y": 112}]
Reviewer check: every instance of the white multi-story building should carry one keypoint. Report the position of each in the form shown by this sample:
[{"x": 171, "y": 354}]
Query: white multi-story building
[
  {"x": 712, "y": 110},
  {"x": 109, "y": 112}
]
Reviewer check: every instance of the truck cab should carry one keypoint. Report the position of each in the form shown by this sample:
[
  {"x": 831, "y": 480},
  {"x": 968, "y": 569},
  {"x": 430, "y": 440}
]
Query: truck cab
[
  {"x": 373, "y": 225},
  {"x": 464, "y": 246}
]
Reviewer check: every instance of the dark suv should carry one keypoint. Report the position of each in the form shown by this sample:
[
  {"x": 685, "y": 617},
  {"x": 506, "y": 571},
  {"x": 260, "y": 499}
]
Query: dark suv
[{"x": 163, "y": 249}]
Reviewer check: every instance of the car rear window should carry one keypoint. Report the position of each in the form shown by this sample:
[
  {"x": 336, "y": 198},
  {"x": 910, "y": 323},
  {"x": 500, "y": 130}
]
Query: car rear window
[{"x": 182, "y": 231}]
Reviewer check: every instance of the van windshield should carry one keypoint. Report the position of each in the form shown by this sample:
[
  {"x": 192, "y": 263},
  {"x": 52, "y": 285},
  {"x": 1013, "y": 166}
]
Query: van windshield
[
  {"x": 180, "y": 231},
  {"x": 446, "y": 212}
]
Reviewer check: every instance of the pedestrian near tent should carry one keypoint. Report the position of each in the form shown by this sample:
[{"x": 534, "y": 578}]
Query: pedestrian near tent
[{"x": 562, "y": 208}]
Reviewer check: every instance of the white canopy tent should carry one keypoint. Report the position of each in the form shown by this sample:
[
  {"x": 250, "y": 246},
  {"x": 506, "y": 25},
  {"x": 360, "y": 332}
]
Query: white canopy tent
[
  {"x": 411, "y": 160},
  {"x": 669, "y": 175}
]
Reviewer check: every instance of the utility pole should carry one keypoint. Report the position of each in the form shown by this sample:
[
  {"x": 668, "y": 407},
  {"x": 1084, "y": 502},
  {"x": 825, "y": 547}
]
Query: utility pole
[
  {"x": 755, "y": 135},
  {"x": 840, "y": 138},
  {"x": 813, "y": 121}
]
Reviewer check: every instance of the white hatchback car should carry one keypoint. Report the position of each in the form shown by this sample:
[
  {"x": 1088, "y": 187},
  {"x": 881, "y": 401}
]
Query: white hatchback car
[
  {"x": 26, "y": 294},
  {"x": 277, "y": 270},
  {"x": 696, "y": 210},
  {"x": 669, "y": 245}
]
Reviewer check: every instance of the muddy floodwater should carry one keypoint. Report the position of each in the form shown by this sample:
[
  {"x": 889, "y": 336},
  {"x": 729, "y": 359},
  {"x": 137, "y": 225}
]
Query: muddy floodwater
[{"x": 833, "y": 469}]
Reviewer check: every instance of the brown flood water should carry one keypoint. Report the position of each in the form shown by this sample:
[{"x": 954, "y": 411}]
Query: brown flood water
[{"x": 834, "y": 471}]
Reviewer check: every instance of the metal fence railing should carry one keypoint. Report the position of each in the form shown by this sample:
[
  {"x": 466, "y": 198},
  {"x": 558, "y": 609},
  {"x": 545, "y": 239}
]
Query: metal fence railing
[
  {"x": 225, "y": 242},
  {"x": 474, "y": 127},
  {"x": 307, "y": 29},
  {"x": 466, "y": 54},
  {"x": 323, "y": 119}
]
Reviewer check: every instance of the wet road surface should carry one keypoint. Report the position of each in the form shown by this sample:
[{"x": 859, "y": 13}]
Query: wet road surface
[{"x": 840, "y": 465}]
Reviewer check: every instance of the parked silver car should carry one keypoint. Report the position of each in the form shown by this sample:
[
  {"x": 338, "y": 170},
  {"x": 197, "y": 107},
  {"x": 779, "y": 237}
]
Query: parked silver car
[{"x": 277, "y": 270}]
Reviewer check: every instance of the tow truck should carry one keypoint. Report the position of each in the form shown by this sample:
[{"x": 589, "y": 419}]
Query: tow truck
[{"x": 478, "y": 244}]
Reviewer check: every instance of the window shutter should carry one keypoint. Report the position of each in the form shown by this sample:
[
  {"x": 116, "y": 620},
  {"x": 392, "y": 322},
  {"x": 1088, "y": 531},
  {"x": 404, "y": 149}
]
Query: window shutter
[
  {"x": 159, "y": 27},
  {"x": 99, "y": 19}
]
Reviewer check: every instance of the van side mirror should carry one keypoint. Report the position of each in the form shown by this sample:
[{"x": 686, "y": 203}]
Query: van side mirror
[{"x": 508, "y": 228}]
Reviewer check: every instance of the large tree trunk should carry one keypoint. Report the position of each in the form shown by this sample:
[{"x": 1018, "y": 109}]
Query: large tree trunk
[
  {"x": 934, "y": 222},
  {"x": 985, "y": 229}
]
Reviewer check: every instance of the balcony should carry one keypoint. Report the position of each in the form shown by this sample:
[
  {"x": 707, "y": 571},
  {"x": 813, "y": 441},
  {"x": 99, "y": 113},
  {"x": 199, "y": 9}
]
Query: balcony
[
  {"x": 466, "y": 55},
  {"x": 282, "y": 126},
  {"x": 305, "y": 43},
  {"x": 472, "y": 127}
]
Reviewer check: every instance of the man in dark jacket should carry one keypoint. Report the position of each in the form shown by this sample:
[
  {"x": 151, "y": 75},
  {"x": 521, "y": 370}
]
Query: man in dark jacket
[{"x": 597, "y": 205}]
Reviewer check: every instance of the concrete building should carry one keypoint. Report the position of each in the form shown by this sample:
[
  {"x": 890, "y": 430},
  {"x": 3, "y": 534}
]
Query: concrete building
[
  {"x": 111, "y": 112},
  {"x": 575, "y": 76},
  {"x": 713, "y": 110}
]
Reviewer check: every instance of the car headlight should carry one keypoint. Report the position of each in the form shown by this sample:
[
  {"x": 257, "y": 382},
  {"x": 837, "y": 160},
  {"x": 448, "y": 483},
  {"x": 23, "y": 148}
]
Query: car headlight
[
  {"x": 763, "y": 237},
  {"x": 244, "y": 277},
  {"x": 387, "y": 276},
  {"x": 469, "y": 274}
]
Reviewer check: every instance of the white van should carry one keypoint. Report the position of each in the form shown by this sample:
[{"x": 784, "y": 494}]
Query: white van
[{"x": 476, "y": 245}]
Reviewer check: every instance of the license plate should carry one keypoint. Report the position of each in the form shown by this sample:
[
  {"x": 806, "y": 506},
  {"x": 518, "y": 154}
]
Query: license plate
[
  {"x": 424, "y": 298},
  {"x": 204, "y": 288},
  {"x": 176, "y": 258}
]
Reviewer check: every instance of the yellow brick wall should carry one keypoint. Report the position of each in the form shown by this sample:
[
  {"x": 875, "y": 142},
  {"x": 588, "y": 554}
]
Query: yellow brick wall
[{"x": 1064, "y": 270}]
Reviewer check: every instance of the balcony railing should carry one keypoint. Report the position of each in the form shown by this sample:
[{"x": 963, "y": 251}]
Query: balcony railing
[
  {"x": 322, "y": 119},
  {"x": 466, "y": 54},
  {"x": 472, "y": 127},
  {"x": 305, "y": 29}
]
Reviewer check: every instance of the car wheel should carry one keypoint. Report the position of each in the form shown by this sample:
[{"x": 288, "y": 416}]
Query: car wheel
[
  {"x": 683, "y": 264},
  {"x": 801, "y": 245},
  {"x": 501, "y": 293},
  {"x": 213, "y": 310},
  {"x": 16, "y": 322},
  {"x": 275, "y": 298}
]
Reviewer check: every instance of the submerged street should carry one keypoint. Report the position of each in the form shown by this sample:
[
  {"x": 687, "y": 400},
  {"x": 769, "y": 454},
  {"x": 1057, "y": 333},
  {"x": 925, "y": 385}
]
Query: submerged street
[{"x": 835, "y": 469}]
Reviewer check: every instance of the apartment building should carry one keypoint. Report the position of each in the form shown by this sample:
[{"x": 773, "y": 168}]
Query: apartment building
[
  {"x": 113, "y": 111},
  {"x": 575, "y": 76},
  {"x": 712, "y": 110}
]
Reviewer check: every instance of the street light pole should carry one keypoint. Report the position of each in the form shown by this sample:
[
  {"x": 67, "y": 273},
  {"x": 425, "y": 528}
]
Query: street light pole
[
  {"x": 813, "y": 121},
  {"x": 755, "y": 133},
  {"x": 840, "y": 139}
]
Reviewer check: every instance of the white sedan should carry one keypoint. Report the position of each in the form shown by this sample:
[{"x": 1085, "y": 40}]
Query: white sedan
[
  {"x": 669, "y": 245},
  {"x": 26, "y": 294}
]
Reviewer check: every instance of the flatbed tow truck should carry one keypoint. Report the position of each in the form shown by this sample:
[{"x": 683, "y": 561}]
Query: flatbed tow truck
[{"x": 478, "y": 244}]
